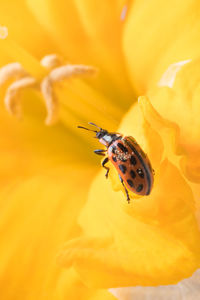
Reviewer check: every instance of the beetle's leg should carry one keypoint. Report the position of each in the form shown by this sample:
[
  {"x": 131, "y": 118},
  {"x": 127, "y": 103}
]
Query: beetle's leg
[
  {"x": 100, "y": 152},
  {"x": 127, "y": 194},
  {"x": 105, "y": 161}
]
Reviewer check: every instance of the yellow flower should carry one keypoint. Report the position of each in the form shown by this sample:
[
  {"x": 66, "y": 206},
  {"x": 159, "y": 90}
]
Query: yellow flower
[
  {"x": 46, "y": 172},
  {"x": 149, "y": 241}
]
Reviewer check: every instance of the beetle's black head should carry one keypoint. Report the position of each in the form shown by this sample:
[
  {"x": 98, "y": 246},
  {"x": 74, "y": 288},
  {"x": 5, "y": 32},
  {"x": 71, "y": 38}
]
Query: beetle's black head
[
  {"x": 105, "y": 137},
  {"x": 101, "y": 133}
]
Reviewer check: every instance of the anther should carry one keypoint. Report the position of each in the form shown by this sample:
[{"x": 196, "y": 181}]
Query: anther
[
  {"x": 50, "y": 99},
  {"x": 12, "y": 98},
  {"x": 57, "y": 73},
  {"x": 51, "y": 61},
  {"x": 67, "y": 71},
  {"x": 13, "y": 70}
]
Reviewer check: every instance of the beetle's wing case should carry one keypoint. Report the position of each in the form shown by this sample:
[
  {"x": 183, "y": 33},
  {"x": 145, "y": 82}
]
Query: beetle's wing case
[
  {"x": 144, "y": 160},
  {"x": 131, "y": 163}
]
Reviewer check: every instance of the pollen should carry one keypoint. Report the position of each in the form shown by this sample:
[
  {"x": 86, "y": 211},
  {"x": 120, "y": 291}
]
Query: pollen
[
  {"x": 51, "y": 61},
  {"x": 56, "y": 75},
  {"x": 57, "y": 72},
  {"x": 12, "y": 99},
  {"x": 10, "y": 71}
]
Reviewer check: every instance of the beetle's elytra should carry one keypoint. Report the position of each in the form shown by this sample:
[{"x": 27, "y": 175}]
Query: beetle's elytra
[{"x": 132, "y": 164}]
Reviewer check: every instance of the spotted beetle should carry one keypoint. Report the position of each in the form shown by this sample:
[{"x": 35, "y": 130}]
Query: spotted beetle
[{"x": 132, "y": 164}]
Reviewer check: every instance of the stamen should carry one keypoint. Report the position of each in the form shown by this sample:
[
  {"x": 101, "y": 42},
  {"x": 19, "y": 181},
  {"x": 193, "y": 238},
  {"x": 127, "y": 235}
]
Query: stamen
[
  {"x": 12, "y": 98},
  {"x": 50, "y": 101},
  {"x": 57, "y": 75},
  {"x": 11, "y": 70},
  {"x": 51, "y": 61},
  {"x": 67, "y": 71}
]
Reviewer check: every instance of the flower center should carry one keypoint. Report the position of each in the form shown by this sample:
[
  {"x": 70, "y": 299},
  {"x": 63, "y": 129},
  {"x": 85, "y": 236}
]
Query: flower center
[{"x": 21, "y": 79}]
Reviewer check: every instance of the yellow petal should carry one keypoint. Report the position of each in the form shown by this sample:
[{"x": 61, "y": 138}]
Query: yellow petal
[
  {"x": 25, "y": 27},
  {"x": 179, "y": 102},
  {"x": 186, "y": 288},
  {"x": 37, "y": 216},
  {"x": 148, "y": 241},
  {"x": 152, "y": 41},
  {"x": 40, "y": 205},
  {"x": 78, "y": 101},
  {"x": 28, "y": 148},
  {"x": 87, "y": 101},
  {"x": 76, "y": 25}
]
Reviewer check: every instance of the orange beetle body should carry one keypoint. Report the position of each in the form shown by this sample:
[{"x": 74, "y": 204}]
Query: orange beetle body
[{"x": 132, "y": 164}]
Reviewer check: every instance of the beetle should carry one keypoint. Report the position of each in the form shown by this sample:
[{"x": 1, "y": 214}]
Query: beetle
[{"x": 132, "y": 164}]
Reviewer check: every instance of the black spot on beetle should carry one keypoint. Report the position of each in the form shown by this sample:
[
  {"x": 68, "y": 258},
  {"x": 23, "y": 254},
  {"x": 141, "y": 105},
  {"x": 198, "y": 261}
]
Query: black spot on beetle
[
  {"x": 122, "y": 168},
  {"x": 133, "y": 160},
  {"x": 114, "y": 158},
  {"x": 123, "y": 159},
  {"x": 132, "y": 173},
  {"x": 122, "y": 147},
  {"x": 130, "y": 182},
  {"x": 140, "y": 173},
  {"x": 139, "y": 188},
  {"x": 113, "y": 149}
]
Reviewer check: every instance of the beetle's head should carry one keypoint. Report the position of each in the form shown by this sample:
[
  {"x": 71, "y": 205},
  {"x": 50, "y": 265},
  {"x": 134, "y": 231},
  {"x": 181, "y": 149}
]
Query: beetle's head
[
  {"x": 100, "y": 133},
  {"x": 103, "y": 135}
]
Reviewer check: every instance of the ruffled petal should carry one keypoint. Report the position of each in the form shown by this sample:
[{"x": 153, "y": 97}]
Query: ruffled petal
[
  {"x": 152, "y": 41},
  {"x": 179, "y": 103},
  {"x": 146, "y": 242},
  {"x": 186, "y": 289}
]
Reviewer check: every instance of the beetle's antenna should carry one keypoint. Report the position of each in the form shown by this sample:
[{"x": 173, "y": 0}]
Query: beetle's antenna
[
  {"x": 87, "y": 128},
  {"x": 94, "y": 125}
]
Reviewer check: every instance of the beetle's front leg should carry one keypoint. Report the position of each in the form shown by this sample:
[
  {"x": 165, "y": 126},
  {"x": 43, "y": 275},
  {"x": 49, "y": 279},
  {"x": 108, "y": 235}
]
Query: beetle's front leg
[
  {"x": 100, "y": 152},
  {"x": 105, "y": 161}
]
